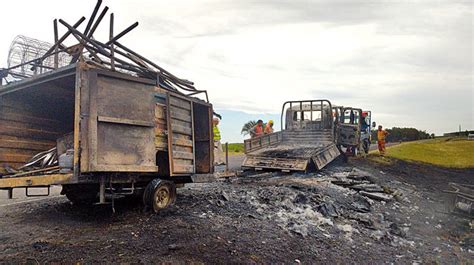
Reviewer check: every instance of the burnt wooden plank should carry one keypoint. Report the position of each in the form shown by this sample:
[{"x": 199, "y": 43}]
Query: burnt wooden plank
[
  {"x": 183, "y": 169},
  {"x": 183, "y": 155},
  {"x": 29, "y": 133},
  {"x": 183, "y": 142},
  {"x": 180, "y": 103},
  {"x": 24, "y": 145},
  {"x": 15, "y": 158},
  {"x": 178, "y": 123},
  {"x": 9, "y": 114},
  {"x": 179, "y": 114},
  {"x": 182, "y": 130}
]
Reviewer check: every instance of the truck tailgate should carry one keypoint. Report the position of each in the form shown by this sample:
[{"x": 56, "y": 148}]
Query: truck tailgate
[{"x": 292, "y": 156}]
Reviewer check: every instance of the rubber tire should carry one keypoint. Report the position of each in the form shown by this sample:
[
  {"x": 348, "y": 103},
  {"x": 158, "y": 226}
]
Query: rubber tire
[{"x": 151, "y": 190}]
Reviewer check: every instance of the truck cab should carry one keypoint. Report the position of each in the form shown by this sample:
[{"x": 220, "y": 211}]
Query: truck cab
[{"x": 352, "y": 128}]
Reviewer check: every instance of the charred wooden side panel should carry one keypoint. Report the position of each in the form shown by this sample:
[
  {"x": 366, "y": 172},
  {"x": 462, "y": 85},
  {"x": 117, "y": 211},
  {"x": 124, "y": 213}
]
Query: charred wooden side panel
[
  {"x": 121, "y": 131},
  {"x": 180, "y": 135},
  {"x": 32, "y": 119}
]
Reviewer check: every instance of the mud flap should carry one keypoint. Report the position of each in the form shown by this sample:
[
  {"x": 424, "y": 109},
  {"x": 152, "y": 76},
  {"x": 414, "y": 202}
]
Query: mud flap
[
  {"x": 284, "y": 164},
  {"x": 325, "y": 156}
]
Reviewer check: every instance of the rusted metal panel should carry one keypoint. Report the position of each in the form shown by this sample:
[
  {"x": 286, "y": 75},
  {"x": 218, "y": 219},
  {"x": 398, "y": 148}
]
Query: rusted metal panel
[
  {"x": 324, "y": 157},
  {"x": 262, "y": 141}
]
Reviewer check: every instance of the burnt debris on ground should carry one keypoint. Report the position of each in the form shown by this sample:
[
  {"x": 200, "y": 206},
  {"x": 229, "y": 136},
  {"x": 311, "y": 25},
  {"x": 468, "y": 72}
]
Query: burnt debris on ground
[{"x": 268, "y": 217}]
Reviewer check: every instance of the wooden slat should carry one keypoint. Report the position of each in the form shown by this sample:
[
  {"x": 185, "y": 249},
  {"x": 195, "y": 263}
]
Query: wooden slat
[
  {"x": 182, "y": 130},
  {"x": 183, "y": 155},
  {"x": 27, "y": 124},
  {"x": 29, "y": 133},
  {"x": 125, "y": 121},
  {"x": 160, "y": 112},
  {"x": 182, "y": 104},
  {"x": 182, "y": 142},
  {"x": 180, "y": 168},
  {"x": 28, "y": 145},
  {"x": 181, "y": 115},
  {"x": 11, "y": 114},
  {"x": 31, "y": 181},
  {"x": 175, "y": 123},
  {"x": 12, "y": 151},
  {"x": 181, "y": 148},
  {"x": 15, "y": 158}
]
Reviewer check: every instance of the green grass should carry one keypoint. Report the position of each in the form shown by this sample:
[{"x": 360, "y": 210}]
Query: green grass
[
  {"x": 235, "y": 148},
  {"x": 444, "y": 152}
]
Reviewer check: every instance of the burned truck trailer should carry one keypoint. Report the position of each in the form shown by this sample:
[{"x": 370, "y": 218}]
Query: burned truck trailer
[
  {"x": 114, "y": 133},
  {"x": 306, "y": 141}
]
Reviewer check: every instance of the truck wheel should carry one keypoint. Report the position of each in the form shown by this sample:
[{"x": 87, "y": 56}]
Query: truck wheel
[
  {"x": 159, "y": 194},
  {"x": 80, "y": 195}
]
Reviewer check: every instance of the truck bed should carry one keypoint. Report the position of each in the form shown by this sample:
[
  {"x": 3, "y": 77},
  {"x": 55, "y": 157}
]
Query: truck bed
[{"x": 293, "y": 151}]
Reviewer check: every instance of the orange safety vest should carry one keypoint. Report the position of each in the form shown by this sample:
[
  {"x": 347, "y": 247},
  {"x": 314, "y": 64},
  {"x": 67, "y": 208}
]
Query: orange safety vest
[
  {"x": 381, "y": 135},
  {"x": 258, "y": 130},
  {"x": 268, "y": 129}
]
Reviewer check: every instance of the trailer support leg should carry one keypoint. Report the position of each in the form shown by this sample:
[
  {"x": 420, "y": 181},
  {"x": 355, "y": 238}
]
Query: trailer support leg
[
  {"x": 10, "y": 193},
  {"x": 102, "y": 190}
]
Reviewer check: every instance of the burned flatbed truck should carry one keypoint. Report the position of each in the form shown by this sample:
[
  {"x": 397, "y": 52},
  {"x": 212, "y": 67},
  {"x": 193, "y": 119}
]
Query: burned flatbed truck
[
  {"x": 306, "y": 141},
  {"x": 109, "y": 123}
]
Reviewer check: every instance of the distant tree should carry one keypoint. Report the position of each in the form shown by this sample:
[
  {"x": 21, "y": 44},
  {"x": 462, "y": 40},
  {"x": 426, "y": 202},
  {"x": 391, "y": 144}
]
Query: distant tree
[
  {"x": 406, "y": 134},
  {"x": 247, "y": 127}
]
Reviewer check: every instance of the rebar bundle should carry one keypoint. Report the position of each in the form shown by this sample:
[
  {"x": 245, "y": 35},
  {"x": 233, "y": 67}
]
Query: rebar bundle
[{"x": 27, "y": 58}]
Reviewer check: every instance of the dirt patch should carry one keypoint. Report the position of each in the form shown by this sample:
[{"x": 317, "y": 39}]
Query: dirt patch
[{"x": 264, "y": 218}]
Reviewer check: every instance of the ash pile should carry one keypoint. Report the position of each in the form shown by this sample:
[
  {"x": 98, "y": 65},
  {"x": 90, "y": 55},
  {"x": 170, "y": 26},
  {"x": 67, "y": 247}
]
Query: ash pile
[{"x": 340, "y": 203}]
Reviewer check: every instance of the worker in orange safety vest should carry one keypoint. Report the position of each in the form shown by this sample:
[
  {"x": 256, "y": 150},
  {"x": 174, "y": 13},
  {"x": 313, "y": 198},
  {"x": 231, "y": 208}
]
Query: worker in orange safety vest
[
  {"x": 268, "y": 127},
  {"x": 381, "y": 134},
  {"x": 257, "y": 130}
]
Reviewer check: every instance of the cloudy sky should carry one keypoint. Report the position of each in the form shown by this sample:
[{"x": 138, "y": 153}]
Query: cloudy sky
[{"x": 410, "y": 62}]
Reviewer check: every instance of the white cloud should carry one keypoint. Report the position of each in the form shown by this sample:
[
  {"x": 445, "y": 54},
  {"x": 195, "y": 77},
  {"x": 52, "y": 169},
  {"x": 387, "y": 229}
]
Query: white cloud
[{"x": 400, "y": 59}]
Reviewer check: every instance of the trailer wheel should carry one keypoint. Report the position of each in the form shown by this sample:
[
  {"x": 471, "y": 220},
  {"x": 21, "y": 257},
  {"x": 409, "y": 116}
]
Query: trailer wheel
[{"x": 159, "y": 194}]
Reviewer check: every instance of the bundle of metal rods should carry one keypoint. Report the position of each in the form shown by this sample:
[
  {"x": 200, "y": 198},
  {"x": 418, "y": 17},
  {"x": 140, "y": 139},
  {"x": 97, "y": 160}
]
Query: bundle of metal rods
[{"x": 110, "y": 54}]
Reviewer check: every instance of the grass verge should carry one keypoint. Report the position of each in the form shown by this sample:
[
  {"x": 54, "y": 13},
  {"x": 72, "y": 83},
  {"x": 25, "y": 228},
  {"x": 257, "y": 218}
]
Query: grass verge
[
  {"x": 235, "y": 148},
  {"x": 445, "y": 152}
]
